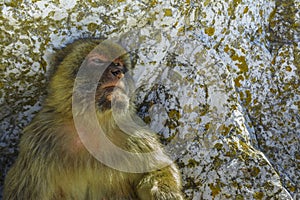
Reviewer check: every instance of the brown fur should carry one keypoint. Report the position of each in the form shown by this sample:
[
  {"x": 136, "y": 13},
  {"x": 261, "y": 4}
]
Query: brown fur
[{"x": 54, "y": 164}]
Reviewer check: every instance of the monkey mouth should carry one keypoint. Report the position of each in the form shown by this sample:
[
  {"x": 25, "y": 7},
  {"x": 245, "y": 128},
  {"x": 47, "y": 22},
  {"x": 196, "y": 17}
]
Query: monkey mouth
[
  {"x": 114, "y": 86},
  {"x": 113, "y": 96},
  {"x": 113, "y": 90}
]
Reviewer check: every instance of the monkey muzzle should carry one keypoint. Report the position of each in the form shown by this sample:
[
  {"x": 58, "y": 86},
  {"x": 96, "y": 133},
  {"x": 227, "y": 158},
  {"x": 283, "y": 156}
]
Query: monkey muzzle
[{"x": 113, "y": 96}]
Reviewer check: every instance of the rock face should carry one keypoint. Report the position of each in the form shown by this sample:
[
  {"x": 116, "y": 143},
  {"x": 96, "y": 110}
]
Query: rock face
[{"x": 218, "y": 80}]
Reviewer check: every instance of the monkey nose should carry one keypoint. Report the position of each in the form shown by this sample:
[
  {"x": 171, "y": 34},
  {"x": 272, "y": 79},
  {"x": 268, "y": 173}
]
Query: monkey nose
[{"x": 117, "y": 73}]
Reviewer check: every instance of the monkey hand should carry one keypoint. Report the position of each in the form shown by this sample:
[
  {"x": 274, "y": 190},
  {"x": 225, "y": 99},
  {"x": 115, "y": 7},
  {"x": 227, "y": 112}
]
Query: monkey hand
[
  {"x": 159, "y": 186},
  {"x": 154, "y": 192}
]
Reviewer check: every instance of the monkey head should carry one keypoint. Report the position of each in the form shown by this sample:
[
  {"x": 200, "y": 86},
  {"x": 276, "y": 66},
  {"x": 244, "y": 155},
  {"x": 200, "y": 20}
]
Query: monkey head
[
  {"x": 114, "y": 86},
  {"x": 99, "y": 66}
]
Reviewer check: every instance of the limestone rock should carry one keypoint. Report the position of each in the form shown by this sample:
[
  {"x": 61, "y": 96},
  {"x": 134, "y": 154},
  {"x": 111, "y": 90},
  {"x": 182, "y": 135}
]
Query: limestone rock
[{"x": 218, "y": 80}]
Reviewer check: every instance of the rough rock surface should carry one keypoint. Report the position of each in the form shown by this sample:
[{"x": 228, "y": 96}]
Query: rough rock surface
[{"x": 218, "y": 80}]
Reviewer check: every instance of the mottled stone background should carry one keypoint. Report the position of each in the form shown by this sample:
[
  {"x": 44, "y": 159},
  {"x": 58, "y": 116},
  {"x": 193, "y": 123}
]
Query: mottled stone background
[{"x": 217, "y": 79}]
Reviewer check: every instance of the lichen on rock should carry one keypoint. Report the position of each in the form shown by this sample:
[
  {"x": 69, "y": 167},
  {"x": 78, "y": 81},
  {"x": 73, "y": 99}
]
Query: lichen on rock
[{"x": 217, "y": 80}]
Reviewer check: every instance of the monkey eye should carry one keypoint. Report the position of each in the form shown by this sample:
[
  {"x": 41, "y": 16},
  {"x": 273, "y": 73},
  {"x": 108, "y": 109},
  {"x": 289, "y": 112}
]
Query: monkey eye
[
  {"x": 116, "y": 64},
  {"x": 97, "y": 60}
]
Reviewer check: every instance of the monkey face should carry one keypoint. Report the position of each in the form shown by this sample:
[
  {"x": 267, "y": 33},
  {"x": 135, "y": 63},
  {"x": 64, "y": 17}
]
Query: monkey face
[{"x": 114, "y": 85}]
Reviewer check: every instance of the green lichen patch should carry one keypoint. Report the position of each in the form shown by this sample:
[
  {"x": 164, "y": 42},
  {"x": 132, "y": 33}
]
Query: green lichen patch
[
  {"x": 210, "y": 31},
  {"x": 168, "y": 12},
  {"x": 258, "y": 195}
]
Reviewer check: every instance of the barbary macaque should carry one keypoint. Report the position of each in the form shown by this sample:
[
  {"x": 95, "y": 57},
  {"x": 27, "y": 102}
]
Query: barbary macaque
[{"x": 63, "y": 152}]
